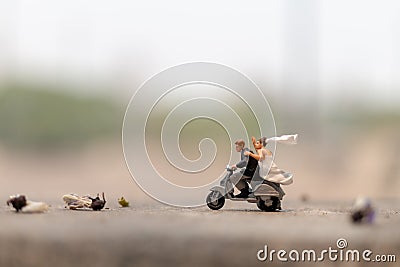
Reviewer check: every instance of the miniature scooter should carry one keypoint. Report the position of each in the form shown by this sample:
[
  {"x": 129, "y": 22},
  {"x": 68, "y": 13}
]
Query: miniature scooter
[{"x": 266, "y": 195}]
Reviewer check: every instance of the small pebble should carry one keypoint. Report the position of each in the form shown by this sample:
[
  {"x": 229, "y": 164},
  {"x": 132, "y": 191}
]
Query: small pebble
[{"x": 363, "y": 211}]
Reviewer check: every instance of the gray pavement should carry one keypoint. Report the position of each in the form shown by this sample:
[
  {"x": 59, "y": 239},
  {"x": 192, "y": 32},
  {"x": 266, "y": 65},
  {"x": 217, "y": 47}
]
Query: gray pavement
[{"x": 152, "y": 234}]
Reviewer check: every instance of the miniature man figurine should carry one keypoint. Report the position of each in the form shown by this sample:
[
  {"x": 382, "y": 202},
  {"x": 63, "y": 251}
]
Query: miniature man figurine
[{"x": 241, "y": 177}]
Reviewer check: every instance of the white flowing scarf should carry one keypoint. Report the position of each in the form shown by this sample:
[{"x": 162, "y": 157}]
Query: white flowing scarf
[{"x": 288, "y": 139}]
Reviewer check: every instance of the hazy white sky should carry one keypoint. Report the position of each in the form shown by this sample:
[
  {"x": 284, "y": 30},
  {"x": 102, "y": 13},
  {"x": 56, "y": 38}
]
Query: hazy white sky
[{"x": 319, "y": 46}]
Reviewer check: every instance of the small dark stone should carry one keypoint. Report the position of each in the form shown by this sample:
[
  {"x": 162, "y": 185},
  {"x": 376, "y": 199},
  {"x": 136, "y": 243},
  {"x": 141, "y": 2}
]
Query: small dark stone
[
  {"x": 18, "y": 202},
  {"x": 362, "y": 211},
  {"x": 357, "y": 216}
]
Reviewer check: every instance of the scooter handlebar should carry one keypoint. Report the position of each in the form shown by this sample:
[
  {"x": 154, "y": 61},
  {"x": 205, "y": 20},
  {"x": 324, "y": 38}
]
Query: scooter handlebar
[{"x": 228, "y": 168}]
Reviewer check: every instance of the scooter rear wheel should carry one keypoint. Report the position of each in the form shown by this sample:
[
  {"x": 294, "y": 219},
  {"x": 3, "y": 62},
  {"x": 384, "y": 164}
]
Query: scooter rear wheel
[
  {"x": 215, "y": 200},
  {"x": 273, "y": 207}
]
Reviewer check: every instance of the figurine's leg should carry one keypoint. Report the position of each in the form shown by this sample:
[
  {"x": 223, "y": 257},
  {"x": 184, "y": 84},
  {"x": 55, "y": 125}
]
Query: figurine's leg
[
  {"x": 239, "y": 180},
  {"x": 235, "y": 179},
  {"x": 232, "y": 181},
  {"x": 256, "y": 180}
]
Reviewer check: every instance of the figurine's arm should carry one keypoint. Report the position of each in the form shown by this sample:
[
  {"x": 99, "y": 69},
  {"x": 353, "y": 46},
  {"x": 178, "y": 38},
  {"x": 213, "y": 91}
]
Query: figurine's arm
[
  {"x": 253, "y": 140},
  {"x": 255, "y": 156}
]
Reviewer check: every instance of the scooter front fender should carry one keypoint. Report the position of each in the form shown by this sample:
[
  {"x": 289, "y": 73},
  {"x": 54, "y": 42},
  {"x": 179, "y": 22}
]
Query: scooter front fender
[{"x": 218, "y": 188}]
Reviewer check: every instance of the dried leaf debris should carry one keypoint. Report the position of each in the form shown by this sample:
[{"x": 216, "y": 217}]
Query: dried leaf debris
[
  {"x": 123, "y": 202},
  {"x": 75, "y": 202}
]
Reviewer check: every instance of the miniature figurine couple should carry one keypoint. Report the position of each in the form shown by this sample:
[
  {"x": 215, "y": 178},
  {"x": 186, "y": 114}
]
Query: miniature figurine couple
[{"x": 260, "y": 165}]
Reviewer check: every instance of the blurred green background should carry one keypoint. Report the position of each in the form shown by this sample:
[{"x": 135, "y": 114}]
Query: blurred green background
[
  {"x": 330, "y": 70},
  {"x": 38, "y": 117}
]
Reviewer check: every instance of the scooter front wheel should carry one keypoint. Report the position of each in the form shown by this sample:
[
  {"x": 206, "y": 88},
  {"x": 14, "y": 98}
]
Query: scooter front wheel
[{"x": 215, "y": 200}]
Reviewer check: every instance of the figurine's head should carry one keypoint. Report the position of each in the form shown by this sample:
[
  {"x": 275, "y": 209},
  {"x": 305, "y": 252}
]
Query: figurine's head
[
  {"x": 260, "y": 143},
  {"x": 239, "y": 145}
]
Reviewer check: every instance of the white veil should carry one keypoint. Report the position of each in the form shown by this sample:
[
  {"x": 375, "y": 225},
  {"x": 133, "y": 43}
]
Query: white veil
[{"x": 288, "y": 139}]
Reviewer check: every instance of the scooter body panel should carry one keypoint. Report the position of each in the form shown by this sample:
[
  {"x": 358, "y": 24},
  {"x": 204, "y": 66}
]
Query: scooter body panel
[{"x": 265, "y": 190}]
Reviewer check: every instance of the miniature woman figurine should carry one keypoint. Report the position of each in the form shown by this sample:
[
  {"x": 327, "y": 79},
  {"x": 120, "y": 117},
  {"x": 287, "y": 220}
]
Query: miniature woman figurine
[{"x": 268, "y": 170}]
